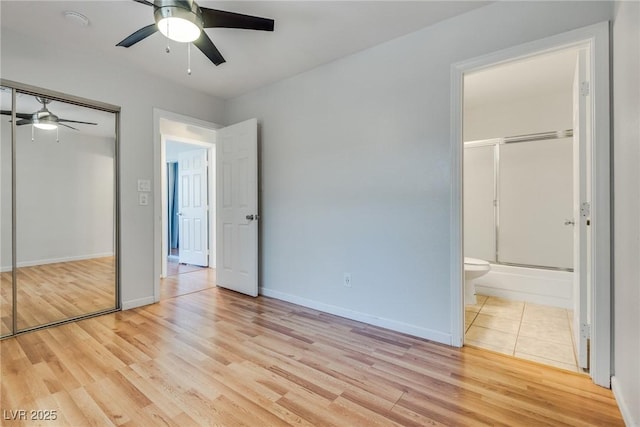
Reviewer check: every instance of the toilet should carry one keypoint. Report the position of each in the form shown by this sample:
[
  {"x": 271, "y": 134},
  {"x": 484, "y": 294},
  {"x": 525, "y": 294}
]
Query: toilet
[{"x": 473, "y": 268}]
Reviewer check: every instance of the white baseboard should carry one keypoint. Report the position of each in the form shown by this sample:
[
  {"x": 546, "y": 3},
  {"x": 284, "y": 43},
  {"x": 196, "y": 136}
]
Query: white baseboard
[
  {"x": 393, "y": 325},
  {"x": 627, "y": 416},
  {"x": 32, "y": 263},
  {"x": 127, "y": 305},
  {"x": 537, "y": 286}
]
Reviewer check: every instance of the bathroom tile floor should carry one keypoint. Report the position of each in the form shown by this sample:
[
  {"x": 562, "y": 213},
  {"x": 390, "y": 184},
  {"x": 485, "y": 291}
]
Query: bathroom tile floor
[{"x": 528, "y": 331}]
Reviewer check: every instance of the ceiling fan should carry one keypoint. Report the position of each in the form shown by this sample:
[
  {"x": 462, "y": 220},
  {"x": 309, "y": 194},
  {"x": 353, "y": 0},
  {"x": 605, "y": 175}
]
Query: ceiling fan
[
  {"x": 43, "y": 118},
  {"x": 184, "y": 21}
]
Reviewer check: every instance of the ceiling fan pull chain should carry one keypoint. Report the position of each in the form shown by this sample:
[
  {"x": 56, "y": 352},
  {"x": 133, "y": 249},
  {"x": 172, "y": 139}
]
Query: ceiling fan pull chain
[
  {"x": 58, "y": 134},
  {"x": 189, "y": 58},
  {"x": 32, "y": 136},
  {"x": 168, "y": 49}
]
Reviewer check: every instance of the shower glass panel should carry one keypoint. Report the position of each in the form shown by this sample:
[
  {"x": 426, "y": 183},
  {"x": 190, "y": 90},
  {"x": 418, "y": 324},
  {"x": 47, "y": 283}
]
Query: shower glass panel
[
  {"x": 6, "y": 225},
  {"x": 479, "y": 196},
  {"x": 65, "y": 212},
  {"x": 535, "y": 200}
]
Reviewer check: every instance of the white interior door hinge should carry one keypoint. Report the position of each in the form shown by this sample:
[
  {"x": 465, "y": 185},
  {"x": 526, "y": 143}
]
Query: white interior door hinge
[
  {"x": 584, "y": 88},
  {"x": 585, "y": 330}
]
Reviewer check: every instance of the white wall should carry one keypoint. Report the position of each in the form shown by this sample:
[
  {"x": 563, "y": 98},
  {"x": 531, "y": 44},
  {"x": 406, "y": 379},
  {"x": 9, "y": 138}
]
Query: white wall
[
  {"x": 356, "y": 167},
  {"x": 533, "y": 114},
  {"x": 174, "y": 148},
  {"x": 626, "y": 158},
  {"x": 89, "y": 75}
]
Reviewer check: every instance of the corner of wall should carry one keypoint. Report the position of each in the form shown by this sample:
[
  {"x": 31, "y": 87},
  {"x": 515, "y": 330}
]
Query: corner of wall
[{"x": 623, "y": 404}]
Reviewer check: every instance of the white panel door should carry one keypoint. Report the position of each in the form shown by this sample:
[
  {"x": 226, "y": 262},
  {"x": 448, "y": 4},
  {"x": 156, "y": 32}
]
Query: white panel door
[
  {"x": 581, "y": 214},
  {"x": 192, "y": 194},
  {"x": 237, "y": 207}
]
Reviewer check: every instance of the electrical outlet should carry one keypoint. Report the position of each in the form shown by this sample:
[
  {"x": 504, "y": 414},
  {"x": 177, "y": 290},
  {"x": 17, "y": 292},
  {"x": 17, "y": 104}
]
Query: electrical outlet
[
  {"x": 143, "y": 199},
  {"x": 347, "y": 280}
]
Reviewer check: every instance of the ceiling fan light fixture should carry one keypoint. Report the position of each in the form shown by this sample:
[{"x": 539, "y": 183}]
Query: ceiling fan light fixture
[
  {"x": 45, "y": 126},
  {"x": 45, "y": 120},
  {"x": 179, "y": 24}
]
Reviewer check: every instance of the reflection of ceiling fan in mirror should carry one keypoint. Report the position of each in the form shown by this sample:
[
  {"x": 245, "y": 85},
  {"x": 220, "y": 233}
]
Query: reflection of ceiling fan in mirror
[
  {"x": 43, "y": 118},
  {"x": 184, "y": 21}
]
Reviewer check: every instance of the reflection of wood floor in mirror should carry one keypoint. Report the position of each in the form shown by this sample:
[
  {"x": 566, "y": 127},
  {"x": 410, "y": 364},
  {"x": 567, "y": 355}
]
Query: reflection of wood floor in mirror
[
  {"x": 185, "y": 283},
  {"x": 53, "y": 292}
]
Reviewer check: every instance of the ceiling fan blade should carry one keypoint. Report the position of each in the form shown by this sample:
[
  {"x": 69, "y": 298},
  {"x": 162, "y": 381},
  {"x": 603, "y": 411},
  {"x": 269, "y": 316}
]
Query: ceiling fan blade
[
  {"x": 18, "y": 115},
  {"x": 24, "y": 122},
  {"x": 139, "y": 35},
  {"x": 214, "y": 18},
  {"x": 75, "y": 121},
  {"x": 145, "y": 2},
  {"x": 207, "y": 47},
  {"x": 67, "y": 126}
]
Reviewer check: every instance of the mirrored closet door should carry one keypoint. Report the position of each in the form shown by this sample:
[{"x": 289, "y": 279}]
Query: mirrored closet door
[{"x": 63, "y": 263}]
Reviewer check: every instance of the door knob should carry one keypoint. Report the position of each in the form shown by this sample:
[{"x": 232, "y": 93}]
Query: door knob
[
  {"x": 249, "y": 217},
  {"x": 569, "y": 222},
  {"x": 252, "y": 217}
]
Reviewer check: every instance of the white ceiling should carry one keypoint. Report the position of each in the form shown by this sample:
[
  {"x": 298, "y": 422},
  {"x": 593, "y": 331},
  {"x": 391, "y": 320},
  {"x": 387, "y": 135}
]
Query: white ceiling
[{"x": 307, "y": 34}]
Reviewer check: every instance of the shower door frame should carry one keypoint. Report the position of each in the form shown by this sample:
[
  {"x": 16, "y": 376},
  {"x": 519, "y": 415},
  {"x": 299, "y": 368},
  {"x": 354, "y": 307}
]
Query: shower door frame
[
  {"x": 595, "y": 38},
  {"x": 496, "y": 143}
]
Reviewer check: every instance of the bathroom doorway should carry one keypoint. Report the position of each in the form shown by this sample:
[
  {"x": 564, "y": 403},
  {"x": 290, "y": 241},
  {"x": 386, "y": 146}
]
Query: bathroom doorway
[
  {"x": 592, "y": 304},
  {"x": 520, "y": 162}
]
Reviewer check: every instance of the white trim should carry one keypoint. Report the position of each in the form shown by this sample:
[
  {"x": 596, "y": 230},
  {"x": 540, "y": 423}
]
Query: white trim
[
  {"x": 160, "y": 185},
  {"x": 5, "y": 268},
  {"x": 393, "y": 325},
  {"x": 456, "y": 251},
  {"x": 627, "y": 416},
  {"x": 596, "y": 37},
  {"x": 127, "y": 305}
]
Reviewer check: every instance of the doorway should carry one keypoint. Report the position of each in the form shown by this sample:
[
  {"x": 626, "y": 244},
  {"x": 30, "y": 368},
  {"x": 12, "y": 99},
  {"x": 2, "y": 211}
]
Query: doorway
[
  {"x": 186, "y": 236},
  {"x": 519, "y": 196},
  {"x": 233, "y": 182},
  {"x": 595, "y": 325}
]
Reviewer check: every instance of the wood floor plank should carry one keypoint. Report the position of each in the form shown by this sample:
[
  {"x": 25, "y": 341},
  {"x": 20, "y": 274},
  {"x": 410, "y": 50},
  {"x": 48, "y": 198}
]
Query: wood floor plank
[{"x": 215, "y": 357}]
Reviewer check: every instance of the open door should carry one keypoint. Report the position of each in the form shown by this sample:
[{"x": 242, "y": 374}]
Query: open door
[
  {"x": 193, "y": 217},
  {"x": 237, "y": 207},
  {"x": 582, "y": 209}
]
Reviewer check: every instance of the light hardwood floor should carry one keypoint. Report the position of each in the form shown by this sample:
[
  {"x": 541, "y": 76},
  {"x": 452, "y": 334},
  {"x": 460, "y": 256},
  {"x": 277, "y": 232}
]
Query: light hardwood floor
[
  {"x": 54, "y": 292},
  {"x": 184, "y": 279},
  {"x": 215, "y": 357}
]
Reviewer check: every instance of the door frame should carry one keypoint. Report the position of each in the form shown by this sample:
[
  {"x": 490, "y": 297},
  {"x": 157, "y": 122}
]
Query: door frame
[
  {"x": 596, "y": 39},
  {"x": 160, "y": 189}
]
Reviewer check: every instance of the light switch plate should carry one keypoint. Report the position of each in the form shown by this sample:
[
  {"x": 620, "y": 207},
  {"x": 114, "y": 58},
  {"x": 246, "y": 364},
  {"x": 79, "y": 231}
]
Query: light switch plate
[{"x": 144, "y": 185}]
